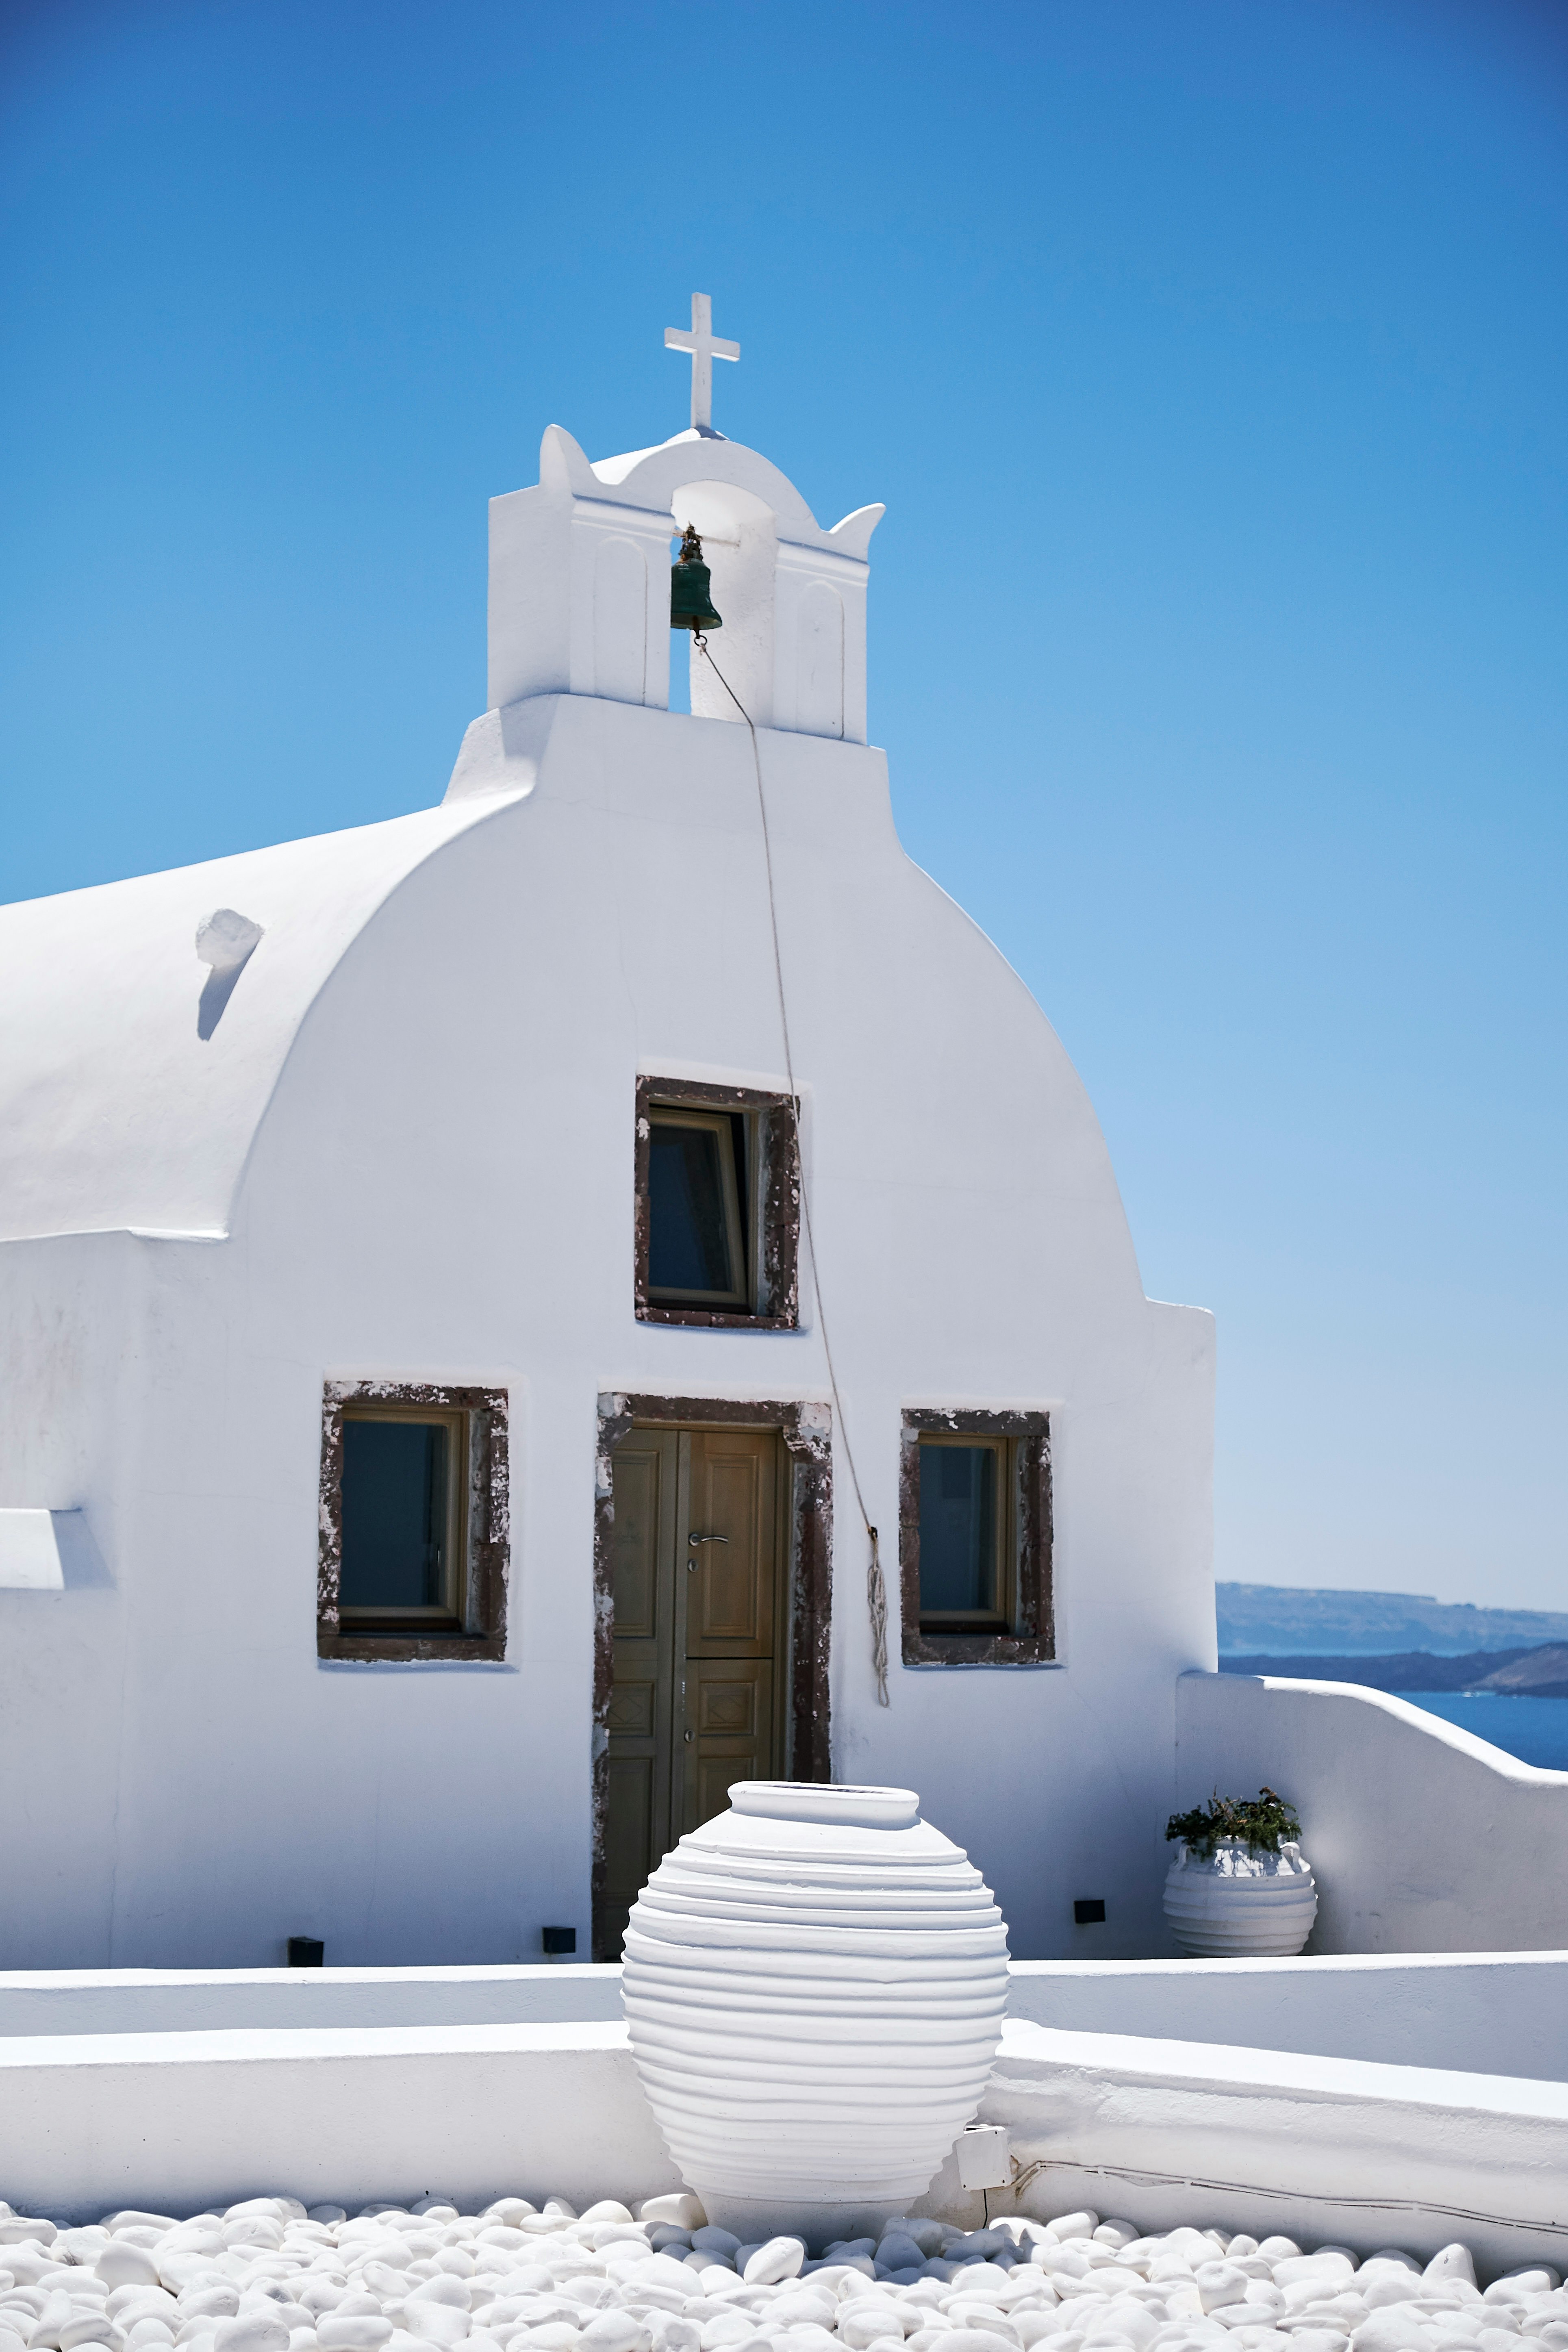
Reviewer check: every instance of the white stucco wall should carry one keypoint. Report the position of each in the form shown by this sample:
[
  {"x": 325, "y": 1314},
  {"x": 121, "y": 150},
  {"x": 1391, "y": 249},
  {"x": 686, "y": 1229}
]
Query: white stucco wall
[
  {"x": 1480, "y": 2014},
  {"x": 1483, "y": 2013},
  {"x": 169, "y": 2122},
  {"x": 436, "y": 1183},
  {"x": 1158, "y": 2132},
  {"x": 1337, "y": 2150},
  {"x": 1422, "y": 1838},
  {"x": 73, "y": 2001}
]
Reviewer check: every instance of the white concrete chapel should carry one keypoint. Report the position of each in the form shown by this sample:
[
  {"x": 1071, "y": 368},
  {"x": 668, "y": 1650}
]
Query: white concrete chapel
[{"x": 424, "y": 1485}]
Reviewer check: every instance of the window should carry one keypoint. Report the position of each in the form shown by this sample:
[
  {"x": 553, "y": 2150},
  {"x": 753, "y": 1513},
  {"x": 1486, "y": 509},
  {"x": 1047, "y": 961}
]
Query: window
[
  {"x": 697, "y": 1253},
  {"x": 413, "y": 1522},
  {"x": 974, "y": 1540},
  {"x": 966, "y": 1549},
  {"x": 404, "y": 1489},
  {"x": 717, "y": 1206}
]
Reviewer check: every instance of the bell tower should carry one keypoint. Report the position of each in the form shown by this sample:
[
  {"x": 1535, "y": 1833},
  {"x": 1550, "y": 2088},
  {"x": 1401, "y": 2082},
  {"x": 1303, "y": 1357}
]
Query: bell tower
[{"x": 580, "y": 567}]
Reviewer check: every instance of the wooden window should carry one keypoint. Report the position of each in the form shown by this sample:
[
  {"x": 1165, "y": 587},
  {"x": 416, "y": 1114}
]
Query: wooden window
[
  {"x": 405, "y": 1493},
  {"x": 974, "y": 1540},
  {"x": 696, "y": 1249},
  {"x": 413, "y": 1522},
  {"x": 968, "y": 1537},
  {"x": 717, "y": 1206}
]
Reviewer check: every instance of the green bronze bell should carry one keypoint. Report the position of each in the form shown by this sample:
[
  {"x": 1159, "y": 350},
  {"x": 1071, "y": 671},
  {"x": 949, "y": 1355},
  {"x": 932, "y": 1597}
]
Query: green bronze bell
[{"x": 692, "y": 588}]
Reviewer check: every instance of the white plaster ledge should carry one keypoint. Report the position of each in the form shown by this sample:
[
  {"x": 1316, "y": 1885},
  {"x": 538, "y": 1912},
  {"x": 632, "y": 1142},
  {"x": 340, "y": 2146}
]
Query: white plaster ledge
[
  {"x": 31, "y": 1552},
  {"x": 45, "y": 1551}
]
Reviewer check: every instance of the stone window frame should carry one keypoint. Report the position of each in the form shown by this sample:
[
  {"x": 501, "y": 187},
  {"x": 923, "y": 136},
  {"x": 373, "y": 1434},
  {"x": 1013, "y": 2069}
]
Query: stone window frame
[
  {"x": 1032, "y": 1641},
  {"x": 774, "y": 1205},
  {"x": 805, "y": 1430},
  {"x": 489, "y": 1520}
]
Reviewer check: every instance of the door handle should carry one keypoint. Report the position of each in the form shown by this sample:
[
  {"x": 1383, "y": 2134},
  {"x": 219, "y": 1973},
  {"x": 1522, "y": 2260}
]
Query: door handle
[
  {"x": 688, "y": 1737},
  {"x": 695, "y": 1538}
]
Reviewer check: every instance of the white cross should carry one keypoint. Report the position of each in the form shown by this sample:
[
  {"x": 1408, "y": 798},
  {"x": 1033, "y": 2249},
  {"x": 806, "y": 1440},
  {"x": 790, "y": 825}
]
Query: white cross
[{"x": 705, "y": 348}]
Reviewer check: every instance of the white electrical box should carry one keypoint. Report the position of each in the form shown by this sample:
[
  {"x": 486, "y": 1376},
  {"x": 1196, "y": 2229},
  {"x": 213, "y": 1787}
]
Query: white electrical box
[{"x": 984, "y": 2160}]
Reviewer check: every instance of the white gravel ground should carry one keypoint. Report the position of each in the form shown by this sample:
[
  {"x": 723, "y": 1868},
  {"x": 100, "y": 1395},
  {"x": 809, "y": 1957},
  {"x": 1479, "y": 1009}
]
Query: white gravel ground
[{"x": 267, "y": 2276}]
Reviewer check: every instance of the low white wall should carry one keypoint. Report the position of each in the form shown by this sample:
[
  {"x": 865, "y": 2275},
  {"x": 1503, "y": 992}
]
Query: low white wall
[
  {"x": 1422, "y": 1838},
  {"x": 1482, "y": 2012},
  {"x": 1159, "y": 2131},
  {"x": 1493, "y": 2013},
  {"x": 184, "y": 2001},
  {"x": 175, "y": 2122},
  {"x": 1322, "y": 2148}
]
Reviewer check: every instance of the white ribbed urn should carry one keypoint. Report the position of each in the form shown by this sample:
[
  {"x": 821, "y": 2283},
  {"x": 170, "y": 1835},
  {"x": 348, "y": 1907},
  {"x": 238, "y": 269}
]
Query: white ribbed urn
[
  {"x": 815, "y": 1983},
  {"x": 1234, "y": 1903}
]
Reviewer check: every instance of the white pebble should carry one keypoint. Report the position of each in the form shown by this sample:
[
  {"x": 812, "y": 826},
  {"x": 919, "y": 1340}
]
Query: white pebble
[
  {"x": 779, "y": 2259},
  {"x": 617, "y": 2331},
  {"x": 267, "y": 2277},
  {"x": 432, "y": 2323},
  {"x": 682, "y": 2212},
  {"x": 251, "y": 2331}
]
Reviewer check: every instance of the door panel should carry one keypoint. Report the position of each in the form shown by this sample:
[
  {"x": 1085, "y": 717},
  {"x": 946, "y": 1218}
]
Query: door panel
[
  {"x": 629, "y": 1834},
  {"x": 637, "y": 1476},
  {"x": 733, "y": 1496},
  {"x": 694, "y": 1705},
  {"x": 643, "y": 1691},
  {"x": 730, "y": 1701}
]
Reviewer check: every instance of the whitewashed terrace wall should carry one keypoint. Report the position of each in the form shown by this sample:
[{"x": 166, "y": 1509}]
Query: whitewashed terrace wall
[
  {"x": 171, "y": 2122},
  {"x": 1322, "y": 2148},
  {"x": 1422, "y": 1838},
  {"x": 1158, "y": 2132},
  {"x": 1485, "y": 2013},
  {"x": 185, "y": 2001}
]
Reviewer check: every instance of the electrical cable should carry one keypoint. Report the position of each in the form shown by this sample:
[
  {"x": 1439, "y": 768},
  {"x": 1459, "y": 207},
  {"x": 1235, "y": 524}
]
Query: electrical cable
[
  {"x": 875, "y": 1588},
  {"x": 1024, "y": 2173}
]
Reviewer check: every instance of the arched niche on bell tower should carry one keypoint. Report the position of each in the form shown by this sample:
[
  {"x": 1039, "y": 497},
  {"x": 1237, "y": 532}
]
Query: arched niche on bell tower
[{"x": 740, "y": 539}]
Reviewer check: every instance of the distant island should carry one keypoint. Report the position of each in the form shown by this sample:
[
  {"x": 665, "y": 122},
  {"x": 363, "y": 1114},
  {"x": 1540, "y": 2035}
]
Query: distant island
[
  {"x": 1284, "y": 1622},
  {"x": 1524, "y": 1674}
]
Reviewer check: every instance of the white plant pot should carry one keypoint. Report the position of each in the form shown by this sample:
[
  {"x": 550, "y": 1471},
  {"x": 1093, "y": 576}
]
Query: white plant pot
[
  {"x": 815, "y": 1983},
  {"x": 1238, "y": 1904}
]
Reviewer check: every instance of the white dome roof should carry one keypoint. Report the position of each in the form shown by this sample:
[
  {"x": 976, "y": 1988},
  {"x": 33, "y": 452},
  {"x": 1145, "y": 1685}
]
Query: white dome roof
[{"x": 114, "y": 1110}]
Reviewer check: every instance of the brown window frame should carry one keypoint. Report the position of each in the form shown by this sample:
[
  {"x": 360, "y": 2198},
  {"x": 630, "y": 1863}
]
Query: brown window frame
[
  {"x": 771, "y": 1213},
  {"x": 1026, "y": 1636},
  {"x": 475, "y": 1626}
]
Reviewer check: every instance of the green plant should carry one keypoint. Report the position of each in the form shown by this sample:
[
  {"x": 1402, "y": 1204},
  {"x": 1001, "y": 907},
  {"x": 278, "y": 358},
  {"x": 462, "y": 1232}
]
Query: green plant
[{"x": 1260, "y": 1824}]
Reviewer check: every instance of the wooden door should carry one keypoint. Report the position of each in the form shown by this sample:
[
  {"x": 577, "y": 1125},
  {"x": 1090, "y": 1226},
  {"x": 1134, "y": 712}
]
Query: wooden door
[{"x": 698, "y": 1641}]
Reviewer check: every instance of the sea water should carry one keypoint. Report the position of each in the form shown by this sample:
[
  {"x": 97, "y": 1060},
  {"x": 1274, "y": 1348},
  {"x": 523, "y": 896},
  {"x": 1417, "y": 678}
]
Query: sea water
[{"x": 1533, "y": 1729}]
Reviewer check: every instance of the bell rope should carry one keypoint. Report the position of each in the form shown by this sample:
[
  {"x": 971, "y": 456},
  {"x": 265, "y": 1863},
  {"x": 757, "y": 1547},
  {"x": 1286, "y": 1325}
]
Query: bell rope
[{"x": 876, "y": 1586}]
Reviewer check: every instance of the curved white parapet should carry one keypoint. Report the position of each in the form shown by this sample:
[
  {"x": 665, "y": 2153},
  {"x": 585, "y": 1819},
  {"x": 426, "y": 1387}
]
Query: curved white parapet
[
  {"x": 814, "y": 1983},
  {"x": 1429, "y": 1839},
  {"x": 1238, "y": 1904}
]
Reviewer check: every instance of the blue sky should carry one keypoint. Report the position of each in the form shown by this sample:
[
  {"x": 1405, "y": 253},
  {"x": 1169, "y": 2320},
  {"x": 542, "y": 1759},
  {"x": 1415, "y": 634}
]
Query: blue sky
[{"x": 1210, "y": 360}]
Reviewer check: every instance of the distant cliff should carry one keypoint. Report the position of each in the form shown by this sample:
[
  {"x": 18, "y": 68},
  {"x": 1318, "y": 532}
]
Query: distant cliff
[
  {"x": 1280, "y": 1622},
  {"x": 1540, "y": 1673},
  {"x": 1532, "y": 1673}
]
